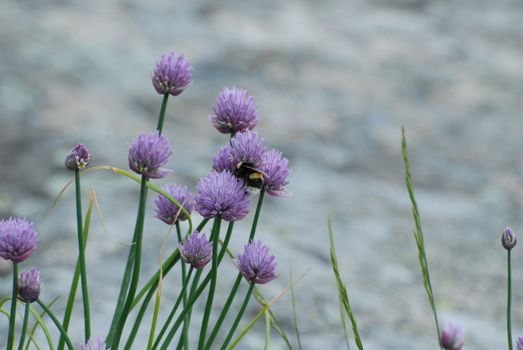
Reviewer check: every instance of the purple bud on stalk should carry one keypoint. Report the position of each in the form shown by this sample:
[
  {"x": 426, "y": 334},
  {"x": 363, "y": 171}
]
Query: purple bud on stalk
[
  {"x": 172, "y": 74},
  {"x": 148, "y": 153},
  {"x": 169, "y": 212},
  {"x": 18, "y": 239},
  {"x": 78, "y": 157},
  {"x": 452, "y": 337},
  {"x": 276, "y": 172},
  {"x": 234, "y": 111},
  {"x": 29, "y": 283},
  {"x": 519, "y": 343},
  {"x": 223, "y": 195},
  {"x": 508, "y": 239},
  {"x": 196, "y": 250},
  {"x": 256, "y": 264},
  {"x": 95, "y": 344}
]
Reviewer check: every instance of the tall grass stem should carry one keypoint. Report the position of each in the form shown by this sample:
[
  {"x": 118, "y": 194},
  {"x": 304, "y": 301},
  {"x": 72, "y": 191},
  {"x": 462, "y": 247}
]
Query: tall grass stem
[{"x": 418, "y": 235}]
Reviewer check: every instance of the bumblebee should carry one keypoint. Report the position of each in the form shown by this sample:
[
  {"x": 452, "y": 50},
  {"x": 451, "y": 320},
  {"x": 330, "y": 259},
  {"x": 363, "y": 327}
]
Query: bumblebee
[{"x": 254, "y": 178}]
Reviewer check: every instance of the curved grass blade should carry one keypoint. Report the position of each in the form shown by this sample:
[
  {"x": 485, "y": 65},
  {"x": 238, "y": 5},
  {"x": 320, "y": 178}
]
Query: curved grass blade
[
  {"x": 342, "y": 289},
  {"x": 39, "y": 321},
  {"x": 294, "y": 316},
  {"x": 418, "y": 233},
  {"x": 35, "y": 326}
]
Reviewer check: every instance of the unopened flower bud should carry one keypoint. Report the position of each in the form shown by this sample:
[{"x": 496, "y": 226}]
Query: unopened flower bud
[
  {"x": 508, "y": 239},
  {"x": 29, "y": 283},
  {"x": 78, "y": 157}
]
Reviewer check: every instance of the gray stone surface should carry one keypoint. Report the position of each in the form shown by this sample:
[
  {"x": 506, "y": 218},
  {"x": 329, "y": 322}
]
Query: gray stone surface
[{"x": 334, "y": 82}]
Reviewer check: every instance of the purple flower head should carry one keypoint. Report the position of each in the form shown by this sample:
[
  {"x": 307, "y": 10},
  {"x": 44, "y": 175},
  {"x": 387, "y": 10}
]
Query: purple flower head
[
  {"x": 519, "y": 343},
  {"x": 452, "y": 337},
  {"x": 95, "y": 344},
  {"x": 256, "y": 264},
  {"x": 234, "y": 111},
  {"x": 223, "y": 195},
  {"x": 223, "y": 160},
  {"x": 276, "y": 172},
  {"x": 78, "y": 157},
  {"x": 247, "y": 147},
  {"x": 18, "y": 239},
  {"x": 196, "y": 250},
  {"x": 148, "y": 153},
  {"x": 508, "y": 239},
  {"x": 169, "y": 212},
  {"x": 172, "y": 74},
  {"x": 29, "y": 283}
]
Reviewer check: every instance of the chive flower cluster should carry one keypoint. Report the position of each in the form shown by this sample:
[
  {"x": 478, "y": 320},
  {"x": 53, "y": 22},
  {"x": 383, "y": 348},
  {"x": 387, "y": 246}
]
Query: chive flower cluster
[
  {"x": 256, "y": 264},
  {"x": 18, "y": 239},
  {"x": 196, "y": 250}
]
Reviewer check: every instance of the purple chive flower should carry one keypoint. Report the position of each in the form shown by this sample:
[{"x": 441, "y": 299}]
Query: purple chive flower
[
  {"x": 169, "y": 212},
  {"x": 172, "y": 74},
  {"x": 276, "y": 171},
  {"x": 519, "y": 343},
  {"x": 508, "y": 239},
  {"x": 451, "y": 337},
  {"x": 234, "y": 111},
  {"x": 196, "y": 250},
  {"x": 223, "y": 160},
  {"x": 247, "y": 147},
  {"x": 29, "y": 283},
  {"x": 223, "y": 195},
  {"x": 18, "y": 239},
  {"x": 148, "y": 153},
  {"x": 256, "y": 264},
  {"x": 95, "y": 344},
  {"x": 78, "y": 157}
]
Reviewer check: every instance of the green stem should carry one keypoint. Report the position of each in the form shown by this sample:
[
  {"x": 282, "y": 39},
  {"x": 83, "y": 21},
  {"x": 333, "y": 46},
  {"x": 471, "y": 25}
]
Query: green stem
[
  {"x": 196, "y": 279},
  {"x": 12, "y": 318},
  {"x": 81, "y": 257},
  {"x": 212, "y": 288},
  {"x": 509, "y": 301},
  {"x": 239, "y": 317},
  {"x": 74, "y": 282},
  {"x": 256, "y": 215},
  {"x": 57, "y": 324},
  {"x": 184, "y": 312},
  {"x": 162, "y": 113},
  {"x": 185, "y": 331},
  {"x": 166, "y": 267},
  {"x": 173, "y": 310},
  {"x": 139, "y": 317},
  {"x": 24, "y": 327},
  {"x": 137, "y": 247},
  {"x": 224, "y": 312}
]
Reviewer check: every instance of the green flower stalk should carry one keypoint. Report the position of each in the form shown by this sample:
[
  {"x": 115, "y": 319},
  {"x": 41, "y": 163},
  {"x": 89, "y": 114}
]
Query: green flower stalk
[
  {"x": 214, "y": 275},
  {"x": 12, "y": 318},
  {"x": 24, "y": 327},
  {"x": 77, "y": 159},
  {"x": 509, "y": 241},
  {"x": 238, "y": 317}
]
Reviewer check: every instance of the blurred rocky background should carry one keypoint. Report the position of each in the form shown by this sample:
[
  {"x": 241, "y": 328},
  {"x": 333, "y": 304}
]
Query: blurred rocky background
[{"x": 334, "y": 82}]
